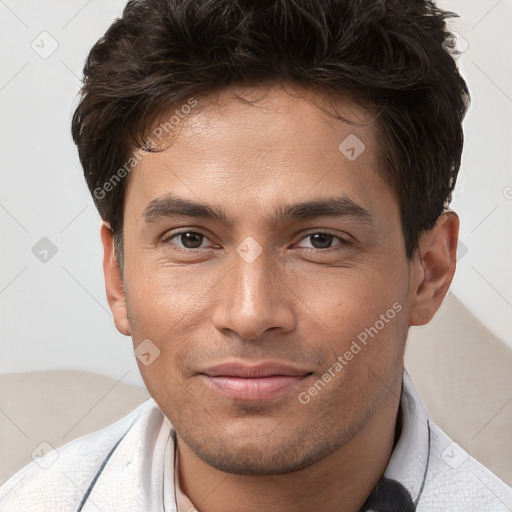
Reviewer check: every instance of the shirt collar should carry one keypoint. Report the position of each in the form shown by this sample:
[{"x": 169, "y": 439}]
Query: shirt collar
[{"x": 401, "y": 486}]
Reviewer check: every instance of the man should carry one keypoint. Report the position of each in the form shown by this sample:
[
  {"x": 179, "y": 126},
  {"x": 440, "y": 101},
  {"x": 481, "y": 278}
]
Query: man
[{"x": 274, "y": 179}]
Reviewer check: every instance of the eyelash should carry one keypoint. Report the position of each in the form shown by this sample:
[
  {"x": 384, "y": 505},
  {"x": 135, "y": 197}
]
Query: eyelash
[
  {"x": 342, "y": 241},
  {"x": 167, "y": 239}
]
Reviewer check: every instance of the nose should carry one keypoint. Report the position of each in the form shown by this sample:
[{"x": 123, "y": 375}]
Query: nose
[{"x": 253, "y": 299}]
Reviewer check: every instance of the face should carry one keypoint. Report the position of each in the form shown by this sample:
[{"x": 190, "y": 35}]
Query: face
[{"x": 266, "y": 267}]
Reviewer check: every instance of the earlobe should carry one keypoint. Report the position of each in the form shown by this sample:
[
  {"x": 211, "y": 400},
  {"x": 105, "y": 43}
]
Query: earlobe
[
  {"x": 114, "y": 282},
  {"x": 433, "y": 268}
]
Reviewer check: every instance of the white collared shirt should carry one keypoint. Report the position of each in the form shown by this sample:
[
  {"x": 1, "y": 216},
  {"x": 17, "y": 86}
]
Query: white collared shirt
[{"x": 131, "y": 466}]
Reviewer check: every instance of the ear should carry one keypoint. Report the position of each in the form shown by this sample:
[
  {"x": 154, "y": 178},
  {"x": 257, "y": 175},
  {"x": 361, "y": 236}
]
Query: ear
[
  {"x": 433, "y": 267},
  {"x": 114, "y": 282}
]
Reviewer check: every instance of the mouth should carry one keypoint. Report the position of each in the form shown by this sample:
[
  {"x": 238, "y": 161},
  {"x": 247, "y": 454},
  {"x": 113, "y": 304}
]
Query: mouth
[{"x": 252, "y": 382}]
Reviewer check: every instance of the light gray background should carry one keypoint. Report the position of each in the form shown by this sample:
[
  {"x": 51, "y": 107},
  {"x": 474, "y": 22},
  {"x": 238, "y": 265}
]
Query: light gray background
[{"x": 54, "y": 314}]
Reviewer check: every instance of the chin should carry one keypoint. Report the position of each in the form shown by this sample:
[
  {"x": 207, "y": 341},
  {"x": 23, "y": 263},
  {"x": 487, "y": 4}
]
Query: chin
[
  {"x": 256, "y": 461},
  {"x": 262, "y": 457}
]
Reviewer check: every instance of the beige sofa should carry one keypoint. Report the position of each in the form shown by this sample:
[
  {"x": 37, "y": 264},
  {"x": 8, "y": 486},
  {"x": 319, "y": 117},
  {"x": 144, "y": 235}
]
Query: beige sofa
[{"x": 463, "y": 372}]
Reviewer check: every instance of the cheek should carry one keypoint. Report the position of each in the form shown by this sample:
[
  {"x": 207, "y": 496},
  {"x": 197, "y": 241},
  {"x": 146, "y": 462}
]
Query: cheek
[
  {"x": 169, "y": 307},
  {"x": 361, "y": 319},
  {"x": 160, "y": 296},
  {"x": 349, "y": 300}
]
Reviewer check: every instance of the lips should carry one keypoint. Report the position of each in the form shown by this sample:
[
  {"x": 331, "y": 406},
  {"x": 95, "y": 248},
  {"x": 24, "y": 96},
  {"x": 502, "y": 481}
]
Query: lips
[{"x": 252, "y": 382}]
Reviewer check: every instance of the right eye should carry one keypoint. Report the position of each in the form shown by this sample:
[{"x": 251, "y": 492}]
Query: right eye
[{"x": 187, "y": 240}]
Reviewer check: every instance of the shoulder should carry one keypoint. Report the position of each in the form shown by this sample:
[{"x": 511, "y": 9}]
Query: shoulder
[
  {"x": 456, "y": 481},
  {"x": 59, "y": 479}
]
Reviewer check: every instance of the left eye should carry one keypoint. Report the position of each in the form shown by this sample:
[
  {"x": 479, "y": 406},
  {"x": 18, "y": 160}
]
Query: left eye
[
  {"x": 323, "y": 240},
  {"x": 188, "y": 240}
]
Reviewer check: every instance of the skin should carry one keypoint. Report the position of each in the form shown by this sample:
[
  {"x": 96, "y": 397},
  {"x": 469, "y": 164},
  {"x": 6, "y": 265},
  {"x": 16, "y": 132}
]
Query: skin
[{"x": 302, "y": 301}]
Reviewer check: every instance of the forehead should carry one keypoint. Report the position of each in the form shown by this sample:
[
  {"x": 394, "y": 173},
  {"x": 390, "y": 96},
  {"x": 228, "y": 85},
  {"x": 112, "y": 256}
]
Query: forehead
[
  {"x": 279, "y": 113},
  {"x": 258, "y": 147}
]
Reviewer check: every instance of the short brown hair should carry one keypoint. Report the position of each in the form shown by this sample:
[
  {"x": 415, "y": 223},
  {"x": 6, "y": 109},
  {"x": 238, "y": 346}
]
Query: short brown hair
[{"x": 390, "y": 52}]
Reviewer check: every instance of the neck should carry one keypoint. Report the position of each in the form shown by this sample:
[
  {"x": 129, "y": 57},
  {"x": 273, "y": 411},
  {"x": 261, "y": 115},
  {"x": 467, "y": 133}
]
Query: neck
[{"x": 340, "y": 482}]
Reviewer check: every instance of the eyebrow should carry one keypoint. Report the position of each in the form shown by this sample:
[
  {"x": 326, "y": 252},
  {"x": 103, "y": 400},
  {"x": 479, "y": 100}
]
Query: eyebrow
[{"x": 172, "y": 206}]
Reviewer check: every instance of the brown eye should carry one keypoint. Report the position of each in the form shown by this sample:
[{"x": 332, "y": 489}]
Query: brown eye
[
  {"x": 188, "y": 240},
  {"x": 323, "y": 241}
]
